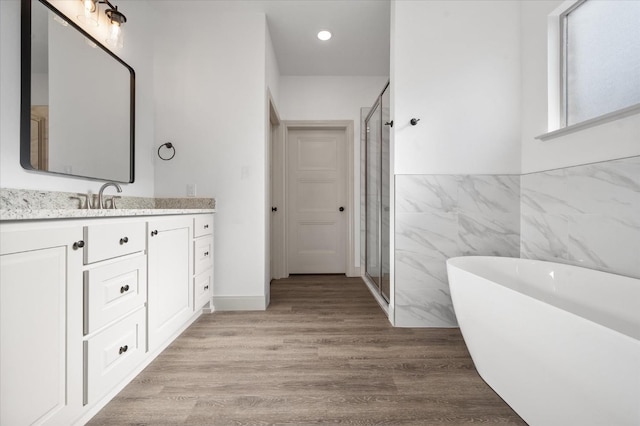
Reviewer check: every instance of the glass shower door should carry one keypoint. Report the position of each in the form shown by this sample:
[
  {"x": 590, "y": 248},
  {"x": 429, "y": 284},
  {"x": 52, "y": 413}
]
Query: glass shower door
[
  {"x": 377, "y": 196},
  {"x": 373, "y": 194},
  {"x": 385, "y": 207}
]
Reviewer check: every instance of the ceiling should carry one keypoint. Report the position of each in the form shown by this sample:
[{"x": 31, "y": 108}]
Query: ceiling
[{"x": 360, "y": 42}]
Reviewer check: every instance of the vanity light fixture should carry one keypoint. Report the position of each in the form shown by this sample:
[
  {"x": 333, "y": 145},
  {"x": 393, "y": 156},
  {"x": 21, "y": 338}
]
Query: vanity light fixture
[
  {"x": 324, "y": 35},
  {"x": 90, "y": 15},
  {"x": 116, "y": 19}
]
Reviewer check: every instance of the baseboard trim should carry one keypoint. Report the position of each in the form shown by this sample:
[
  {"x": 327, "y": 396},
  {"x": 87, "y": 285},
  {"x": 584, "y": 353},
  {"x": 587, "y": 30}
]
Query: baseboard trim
[
  {"x": 354, "y": 271},
  {"x": 239, "y": 303}
]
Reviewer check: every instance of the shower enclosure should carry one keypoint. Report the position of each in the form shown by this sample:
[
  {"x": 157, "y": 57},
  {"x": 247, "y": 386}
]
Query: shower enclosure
[{"x": 377, "y": 199}]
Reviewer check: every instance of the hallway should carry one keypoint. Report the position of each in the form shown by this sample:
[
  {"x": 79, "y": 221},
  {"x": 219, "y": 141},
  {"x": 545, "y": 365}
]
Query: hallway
[{"x": 323, "y": 353}]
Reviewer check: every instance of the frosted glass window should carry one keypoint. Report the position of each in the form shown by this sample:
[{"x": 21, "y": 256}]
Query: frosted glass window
[{"x": 602, "y": 55}]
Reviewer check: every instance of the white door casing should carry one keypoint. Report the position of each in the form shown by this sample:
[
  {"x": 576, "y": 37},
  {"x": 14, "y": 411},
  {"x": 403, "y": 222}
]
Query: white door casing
[{"x": 317, "y": 188}]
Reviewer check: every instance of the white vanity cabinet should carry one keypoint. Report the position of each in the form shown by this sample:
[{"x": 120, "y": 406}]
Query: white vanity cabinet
[
  {"x": 40, "y": 323},
  {"x": 86, "y": 304},
  {"x": 169, "y": 289},
  {"x": 202, "y": 261}
]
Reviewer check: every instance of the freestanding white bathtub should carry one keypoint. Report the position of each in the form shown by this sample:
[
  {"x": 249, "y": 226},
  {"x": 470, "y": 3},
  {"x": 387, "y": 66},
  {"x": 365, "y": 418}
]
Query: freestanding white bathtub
[{"x": 559, "y": 343}]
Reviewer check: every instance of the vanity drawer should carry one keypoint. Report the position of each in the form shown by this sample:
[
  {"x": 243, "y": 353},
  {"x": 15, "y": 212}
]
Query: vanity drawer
[
  {"x": 202, "y": 289},
  {"x": 111, "y": 355},
  {"x": 112, "y": 290},
  {"x": 202, "y": 225},
  {"x": 106, "y": 241},
  {"x": 202, "y": 255}
]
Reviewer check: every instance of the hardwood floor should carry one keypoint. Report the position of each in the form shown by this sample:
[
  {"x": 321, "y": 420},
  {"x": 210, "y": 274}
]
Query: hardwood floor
[{"x": 323, "y": 353}]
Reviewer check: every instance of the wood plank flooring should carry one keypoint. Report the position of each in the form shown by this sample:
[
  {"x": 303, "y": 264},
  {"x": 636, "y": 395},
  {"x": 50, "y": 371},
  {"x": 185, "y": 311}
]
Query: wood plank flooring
[{"x": 322, "y": 353}]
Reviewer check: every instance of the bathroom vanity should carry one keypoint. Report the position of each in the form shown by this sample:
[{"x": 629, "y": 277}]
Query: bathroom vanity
[{"x": 87, "y": 302}]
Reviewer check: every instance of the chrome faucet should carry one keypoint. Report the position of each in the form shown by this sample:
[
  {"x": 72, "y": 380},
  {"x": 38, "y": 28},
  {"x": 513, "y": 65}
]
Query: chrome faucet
[{"x": 102, "y": 188}]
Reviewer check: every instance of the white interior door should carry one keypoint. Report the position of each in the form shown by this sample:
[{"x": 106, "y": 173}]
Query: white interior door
[{"x": 316, "y": 193}]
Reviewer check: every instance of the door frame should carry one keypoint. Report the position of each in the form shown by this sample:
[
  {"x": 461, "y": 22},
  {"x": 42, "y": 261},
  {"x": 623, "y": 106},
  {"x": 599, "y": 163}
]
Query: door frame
[
  {"x": 274, "y": 130},
  {"x": 279, "y": 253}
]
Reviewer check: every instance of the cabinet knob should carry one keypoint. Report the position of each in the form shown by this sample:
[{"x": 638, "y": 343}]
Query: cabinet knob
[
  {"x": 154, "y": 232},
  {"x": 124, "y": 288},
  {"x": 206, "y": 287},
  {"x": 123, "y": 349},
  {"x": 78, "y": 244},
  {"x": 206, "y": 253},
  {"x": 124, "y": 240},
  {"x": 206, "y": 227}
]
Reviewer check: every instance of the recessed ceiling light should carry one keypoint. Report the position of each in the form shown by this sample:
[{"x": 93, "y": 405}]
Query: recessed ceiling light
[{"x": 324, "y": 35}]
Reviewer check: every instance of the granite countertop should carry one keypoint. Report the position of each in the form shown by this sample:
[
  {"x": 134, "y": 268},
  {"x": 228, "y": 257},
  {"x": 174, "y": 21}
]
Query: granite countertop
[
  {"x": 23, "y": 204},
  {"x": 39, "y": 214}
]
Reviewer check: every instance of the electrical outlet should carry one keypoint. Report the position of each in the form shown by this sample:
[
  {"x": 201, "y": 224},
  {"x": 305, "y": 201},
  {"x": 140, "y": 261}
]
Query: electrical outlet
[{"x": 191, "y": 190}]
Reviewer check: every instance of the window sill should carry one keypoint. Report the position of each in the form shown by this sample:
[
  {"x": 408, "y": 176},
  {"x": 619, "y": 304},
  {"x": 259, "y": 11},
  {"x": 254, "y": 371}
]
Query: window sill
[{"x": 612, "y": 116}]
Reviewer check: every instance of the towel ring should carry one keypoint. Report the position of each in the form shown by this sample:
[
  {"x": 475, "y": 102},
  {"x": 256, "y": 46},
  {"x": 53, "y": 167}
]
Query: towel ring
[{"x": 169, "y": 145}]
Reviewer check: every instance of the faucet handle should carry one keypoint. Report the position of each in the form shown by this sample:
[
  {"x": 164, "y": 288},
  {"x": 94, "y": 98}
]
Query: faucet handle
[
  {"x": 110, "y": 203},
  {"x": 90, "y": 201},
  {"x": 113, "y": 201},
  {"x": 86, "y": 200}
]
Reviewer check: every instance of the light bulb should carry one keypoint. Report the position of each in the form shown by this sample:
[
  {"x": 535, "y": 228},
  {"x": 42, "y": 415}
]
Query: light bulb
[
  {"x": 115, "y": 34},
  {"x": 89, "y": 6},
  {"x": 89, "y": 13}
]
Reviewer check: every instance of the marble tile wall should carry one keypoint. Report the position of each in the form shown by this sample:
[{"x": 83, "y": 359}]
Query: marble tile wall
[
  {"x": 586, "y": 215},
  {"x": 443, "y": 216}
]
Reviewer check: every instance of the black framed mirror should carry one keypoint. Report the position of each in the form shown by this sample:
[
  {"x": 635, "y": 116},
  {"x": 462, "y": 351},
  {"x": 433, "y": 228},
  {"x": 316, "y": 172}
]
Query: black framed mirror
[{"x": 77, "y": 113}]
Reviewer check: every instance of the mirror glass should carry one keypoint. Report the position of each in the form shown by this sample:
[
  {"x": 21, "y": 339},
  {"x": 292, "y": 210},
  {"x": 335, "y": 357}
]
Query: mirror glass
[{"x": 77, "y": 100}]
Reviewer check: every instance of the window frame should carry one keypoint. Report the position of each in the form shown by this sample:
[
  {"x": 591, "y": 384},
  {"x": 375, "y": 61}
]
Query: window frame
[
  {"x": 557, "y": 78},
  {"x": 564, "y": 86}
]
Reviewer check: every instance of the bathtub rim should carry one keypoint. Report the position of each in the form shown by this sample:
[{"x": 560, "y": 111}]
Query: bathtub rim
[{"x": 629, "y": 328}]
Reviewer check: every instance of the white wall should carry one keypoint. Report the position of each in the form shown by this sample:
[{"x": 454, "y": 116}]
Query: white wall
[
  {"x": 138, "y": 39},
  {"x": 210, "y": 103},
  {"x": 273, "y": 88},
  {"x": 328, "y": 98},
  {"x": 456, "y": 67},
  {"x": 607, "y": 141},
  {"x": 332, "y": 98},
  {"x": 273, "y": 71}
]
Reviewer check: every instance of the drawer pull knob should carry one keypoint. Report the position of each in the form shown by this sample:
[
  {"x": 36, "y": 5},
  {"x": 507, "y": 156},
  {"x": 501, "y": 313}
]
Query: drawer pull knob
[
  {"x": 124, "y": 288},
  {"x": 206, "y": 227},
  {"x": 206, "y": 253},
  {"x": 124, "y": 240},
  {"x": 78, "y": 244},
  {"x": 206, "y": 287},
  {"x": 154, "y": 232},
  {"x": 123, "y": 349}
]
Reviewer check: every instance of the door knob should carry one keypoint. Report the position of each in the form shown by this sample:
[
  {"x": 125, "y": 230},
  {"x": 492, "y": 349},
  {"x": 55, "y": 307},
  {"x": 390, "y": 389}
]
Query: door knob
[{"x": 341, "y": 209}]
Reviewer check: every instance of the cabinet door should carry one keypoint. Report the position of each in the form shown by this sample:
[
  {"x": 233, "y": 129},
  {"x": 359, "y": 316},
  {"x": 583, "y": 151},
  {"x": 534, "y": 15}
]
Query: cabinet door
[
  {"x": 169, "y": 291},
  {"x": 40, "y": 325}
]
